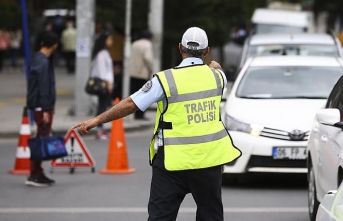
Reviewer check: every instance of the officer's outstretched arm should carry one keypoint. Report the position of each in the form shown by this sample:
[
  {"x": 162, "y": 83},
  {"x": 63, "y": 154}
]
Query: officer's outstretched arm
[{"x": 122, "y": 109}]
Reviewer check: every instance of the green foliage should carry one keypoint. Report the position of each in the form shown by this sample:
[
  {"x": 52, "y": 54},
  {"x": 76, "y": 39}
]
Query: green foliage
[
  {"x": 114, "y": 11},
  {"x": 10, "y": 15}
]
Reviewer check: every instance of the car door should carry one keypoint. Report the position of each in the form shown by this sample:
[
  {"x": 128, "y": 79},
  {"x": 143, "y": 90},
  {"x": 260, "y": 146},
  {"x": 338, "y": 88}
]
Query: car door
[{"x": 330, "y": 139}]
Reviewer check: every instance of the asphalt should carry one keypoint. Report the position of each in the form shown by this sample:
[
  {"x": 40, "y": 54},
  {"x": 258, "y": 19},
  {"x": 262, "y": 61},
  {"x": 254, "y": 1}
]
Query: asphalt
[{"x": 12, "y": 101}]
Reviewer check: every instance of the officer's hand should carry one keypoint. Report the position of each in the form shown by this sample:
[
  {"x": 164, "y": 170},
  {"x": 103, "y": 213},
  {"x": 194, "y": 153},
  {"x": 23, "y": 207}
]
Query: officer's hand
[
  {"x": 85, "y": 126},
  {"x": 215, "y": 65}
]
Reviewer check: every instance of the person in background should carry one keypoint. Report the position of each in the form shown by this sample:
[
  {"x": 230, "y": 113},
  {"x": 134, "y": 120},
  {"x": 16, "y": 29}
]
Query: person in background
[
  {"x": 15, "y": 42},
  {"x": 98, "y": 31},
  {"x": 41, "y": 97},
  {"x": 4, "y": 44},
  {"x": 117, "y": 54},
  {"x": 141, "y": 65},
  {"x": 103, "y": 69},
  {"x": 68, "y": 41},
  {"x": 47, "y": 28},
  {"x": 108, "y": 28}
]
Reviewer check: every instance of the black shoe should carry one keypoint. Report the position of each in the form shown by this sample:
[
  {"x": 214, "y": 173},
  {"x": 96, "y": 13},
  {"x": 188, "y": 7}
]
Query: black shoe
[
  {"x": 39, "y": 181},
  {"x": 48, "y": 179}
]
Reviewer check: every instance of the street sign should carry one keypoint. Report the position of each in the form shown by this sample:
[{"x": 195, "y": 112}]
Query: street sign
[{"x": 78, "y": 154}]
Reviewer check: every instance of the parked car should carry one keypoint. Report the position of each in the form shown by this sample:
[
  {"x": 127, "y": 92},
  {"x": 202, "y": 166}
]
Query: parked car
[
  {"x": 280, "y": 21},
  {"x": 305, "y": 44},
  {"x": 331, "y": 208},
  {"x": 325, "y": 150},
  {"x": 270, "y": 109}
]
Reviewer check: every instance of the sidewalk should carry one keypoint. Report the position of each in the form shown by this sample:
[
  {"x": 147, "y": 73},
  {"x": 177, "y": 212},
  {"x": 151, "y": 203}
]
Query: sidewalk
[{"x": 12, "y": 101}]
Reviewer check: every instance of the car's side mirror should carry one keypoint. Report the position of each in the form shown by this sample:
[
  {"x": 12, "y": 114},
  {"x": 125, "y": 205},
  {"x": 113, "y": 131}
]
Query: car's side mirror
[{"x": 330, "y": 117}]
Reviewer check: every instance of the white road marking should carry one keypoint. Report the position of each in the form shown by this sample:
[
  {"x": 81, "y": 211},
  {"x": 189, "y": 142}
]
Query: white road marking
[{"x": 144, "y": 210}]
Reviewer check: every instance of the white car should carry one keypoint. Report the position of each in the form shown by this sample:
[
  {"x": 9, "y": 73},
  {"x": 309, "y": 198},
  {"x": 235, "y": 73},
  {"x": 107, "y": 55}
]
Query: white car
[
  {"x": 304, "y": 44},
  {"x": 270, "y": 109},
  {"x": 325, "y": 150},
  {"x": 331, "y": 208},
  {"x": 280, "y": 21}
]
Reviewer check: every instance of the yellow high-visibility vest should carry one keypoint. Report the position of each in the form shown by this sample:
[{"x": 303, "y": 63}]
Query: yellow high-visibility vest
[{"x": 193, "y": 134}]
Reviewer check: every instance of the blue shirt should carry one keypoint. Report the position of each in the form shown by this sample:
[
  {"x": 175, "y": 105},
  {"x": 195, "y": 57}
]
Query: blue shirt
[{"x": 145, "y": 98}]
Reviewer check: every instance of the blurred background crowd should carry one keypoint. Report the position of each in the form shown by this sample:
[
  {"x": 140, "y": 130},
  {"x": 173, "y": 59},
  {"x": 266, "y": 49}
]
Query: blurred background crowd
[{"x": 224, "y": 22}]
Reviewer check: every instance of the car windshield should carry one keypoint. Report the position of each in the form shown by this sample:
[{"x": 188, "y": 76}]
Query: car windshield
[
  {"x": 288, "y": 82},
  {"x": 279, "y": 49},
  {"x": 269, "y": 28}
]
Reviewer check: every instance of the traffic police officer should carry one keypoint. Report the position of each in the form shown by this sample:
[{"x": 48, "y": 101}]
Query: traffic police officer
[{"x": 190, "y": 142}]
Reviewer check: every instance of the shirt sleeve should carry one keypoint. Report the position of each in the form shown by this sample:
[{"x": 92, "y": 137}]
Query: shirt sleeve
[
  {"x": 149, "y": 59},
  {"x": 104, "y": 67},
  {"x": 42, "y": 71},
  {"x": 145, "y": 98},
  {"x": 224, "y": 77}
]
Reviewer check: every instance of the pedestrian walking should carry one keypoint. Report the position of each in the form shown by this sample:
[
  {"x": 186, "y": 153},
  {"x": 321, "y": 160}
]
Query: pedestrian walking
[
  {"x": 4, "y": 45},
  {"x": 141, "y": 65},
  {"x": 102, "y": 68},
  {"x": 190, "y": 142},
  {"x": 117, "y": 55},
  {"x": 41, "y": 97},
  {"x": 15, "y": 43},
  {"x": 68, "y": 41}
]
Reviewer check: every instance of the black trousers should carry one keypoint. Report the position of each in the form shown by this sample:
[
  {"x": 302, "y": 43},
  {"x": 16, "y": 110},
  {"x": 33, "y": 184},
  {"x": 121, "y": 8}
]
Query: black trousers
[
  {"x": 103, "y": 103},
  {"x": 70, "y": 61},
  {"x": 137, "y": 84},
  {"x": 169, "y": 188}
]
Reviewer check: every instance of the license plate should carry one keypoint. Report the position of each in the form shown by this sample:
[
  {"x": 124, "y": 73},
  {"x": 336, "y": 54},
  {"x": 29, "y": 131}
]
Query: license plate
[{"x": 291, "y": 153}]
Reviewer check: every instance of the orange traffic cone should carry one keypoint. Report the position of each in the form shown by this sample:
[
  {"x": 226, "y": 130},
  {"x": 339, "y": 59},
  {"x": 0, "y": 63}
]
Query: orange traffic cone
[
  {"x": 117, "y": 161},
  {"x": 22, "y": 163}
]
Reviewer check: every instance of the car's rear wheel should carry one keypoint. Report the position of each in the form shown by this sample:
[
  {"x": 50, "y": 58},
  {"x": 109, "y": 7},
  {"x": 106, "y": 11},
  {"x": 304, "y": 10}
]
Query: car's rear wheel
[{"x": 313, "y": 202}]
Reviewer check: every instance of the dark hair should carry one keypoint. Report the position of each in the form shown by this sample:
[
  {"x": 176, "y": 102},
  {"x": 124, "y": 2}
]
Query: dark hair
[
  {"x": 49, "y": 39},
  {"x": 146, "y": 34},
  {"x": 191, "y": 52},
  {"x": 100, "y": 44}
]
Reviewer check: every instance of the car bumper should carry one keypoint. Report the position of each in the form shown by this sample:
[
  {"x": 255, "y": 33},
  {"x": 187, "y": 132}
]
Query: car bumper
[{"x": 257, "y": 155}]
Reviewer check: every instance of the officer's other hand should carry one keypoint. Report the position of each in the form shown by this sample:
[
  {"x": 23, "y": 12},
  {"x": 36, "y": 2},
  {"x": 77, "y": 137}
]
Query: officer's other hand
[
  {"x": 215, "y": 65},
  {"x": 85, "y": 126}
]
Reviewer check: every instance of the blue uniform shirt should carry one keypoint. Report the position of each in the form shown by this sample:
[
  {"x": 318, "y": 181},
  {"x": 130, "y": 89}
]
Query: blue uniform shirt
[{"x": 151, "y": 93}]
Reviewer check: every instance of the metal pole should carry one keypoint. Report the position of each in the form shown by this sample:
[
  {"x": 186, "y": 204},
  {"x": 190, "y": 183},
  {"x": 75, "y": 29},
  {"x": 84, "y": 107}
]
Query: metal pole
[
  {"x": 156, "y": 27},
  {"x": 127, "y": 50},
  {"x": 26, "y": 46},
  {"x": 84, "y": 43}
]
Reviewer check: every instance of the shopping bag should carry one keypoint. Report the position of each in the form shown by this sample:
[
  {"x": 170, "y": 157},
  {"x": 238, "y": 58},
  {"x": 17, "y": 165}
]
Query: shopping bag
[{"x": 47, "y": 147}]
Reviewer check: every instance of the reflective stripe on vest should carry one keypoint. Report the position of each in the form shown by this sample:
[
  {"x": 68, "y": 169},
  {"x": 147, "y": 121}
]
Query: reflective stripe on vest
[
  {"x": 196, "y": 139},
  {"x": 175, "y": 97}
]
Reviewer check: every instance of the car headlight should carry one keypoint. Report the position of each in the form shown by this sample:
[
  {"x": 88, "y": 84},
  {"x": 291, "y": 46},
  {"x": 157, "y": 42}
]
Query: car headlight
[{"x": 235, "y": 125}]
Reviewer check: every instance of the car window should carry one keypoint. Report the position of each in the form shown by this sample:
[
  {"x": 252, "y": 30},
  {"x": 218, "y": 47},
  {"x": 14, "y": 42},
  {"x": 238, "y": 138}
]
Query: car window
[
  {"x": 270, "y": 28},
  {"x": 288, "y": 82},
  {"x": 335, "y": 95},
  {"x": 335, "y": 98},
  {"x": 286, "y": 49}
]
